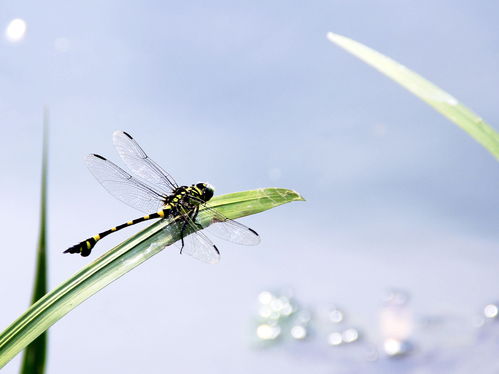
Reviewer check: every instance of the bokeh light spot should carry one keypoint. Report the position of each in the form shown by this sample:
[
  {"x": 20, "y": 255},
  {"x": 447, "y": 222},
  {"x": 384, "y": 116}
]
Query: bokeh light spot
[
  {"x": 16, "y": 29},
  {"x": 490, "y": 311}
]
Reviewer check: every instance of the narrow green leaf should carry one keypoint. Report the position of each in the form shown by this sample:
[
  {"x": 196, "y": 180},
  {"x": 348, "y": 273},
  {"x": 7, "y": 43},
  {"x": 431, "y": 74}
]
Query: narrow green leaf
[
  {"x": 440, "y": 100},
  {"x": 121, "y": 259},
  {"x": 35, "y": 354}
]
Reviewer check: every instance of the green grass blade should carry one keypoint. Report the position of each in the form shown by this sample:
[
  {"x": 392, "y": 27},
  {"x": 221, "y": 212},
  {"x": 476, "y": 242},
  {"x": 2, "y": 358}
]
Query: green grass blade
[
  {"x": 35, "y": 354},
  {"x": 440, "y": 100},
  {"x": 118, "y": 261}
]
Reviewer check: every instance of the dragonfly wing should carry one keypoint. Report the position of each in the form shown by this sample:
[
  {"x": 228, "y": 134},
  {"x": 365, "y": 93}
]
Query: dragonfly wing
[
  {"x": 141, "y": 165},
  {"x": 123, "y": 186},
  {"x": 227, "y": 229},
  {"x": 199, "y": 246}
]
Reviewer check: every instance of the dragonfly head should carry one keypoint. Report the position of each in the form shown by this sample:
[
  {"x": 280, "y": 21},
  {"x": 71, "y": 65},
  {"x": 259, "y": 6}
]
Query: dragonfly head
[{"x": 206, "y": 191}]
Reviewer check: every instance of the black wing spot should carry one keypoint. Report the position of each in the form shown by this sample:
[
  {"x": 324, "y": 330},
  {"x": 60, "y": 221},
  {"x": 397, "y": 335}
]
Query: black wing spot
[
  {"x": 253, "y": 231},
  {"x": 99, "y": 156},
  {"x": 216, "y": 249},
  {"x": 127, "y": 134}
]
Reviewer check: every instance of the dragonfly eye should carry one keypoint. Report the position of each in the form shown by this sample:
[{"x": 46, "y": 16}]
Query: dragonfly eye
[{"x": 207, "y": 190}]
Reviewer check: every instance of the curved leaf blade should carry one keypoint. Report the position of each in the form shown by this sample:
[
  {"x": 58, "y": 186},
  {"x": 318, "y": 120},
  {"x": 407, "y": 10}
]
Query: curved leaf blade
[
  {"x": 118, "y": 261},
  {"x": 441, "y": 101}
]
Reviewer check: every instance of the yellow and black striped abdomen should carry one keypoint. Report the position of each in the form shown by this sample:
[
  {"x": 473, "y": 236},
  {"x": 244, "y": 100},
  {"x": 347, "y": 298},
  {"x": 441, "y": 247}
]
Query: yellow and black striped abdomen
[{"x": 85, "y": 247}]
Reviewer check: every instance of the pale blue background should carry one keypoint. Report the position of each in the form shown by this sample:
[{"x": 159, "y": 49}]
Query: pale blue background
[{"x": 245, "y": 95}]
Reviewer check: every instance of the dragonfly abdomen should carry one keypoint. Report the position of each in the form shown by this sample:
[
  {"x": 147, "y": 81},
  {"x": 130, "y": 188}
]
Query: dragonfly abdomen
[{"x": 84, "y": 248}]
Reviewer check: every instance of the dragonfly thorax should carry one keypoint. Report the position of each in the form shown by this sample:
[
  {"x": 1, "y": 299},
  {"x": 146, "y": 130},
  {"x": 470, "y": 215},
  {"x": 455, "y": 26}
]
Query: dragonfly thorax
[{"x": 190, "y": 197}]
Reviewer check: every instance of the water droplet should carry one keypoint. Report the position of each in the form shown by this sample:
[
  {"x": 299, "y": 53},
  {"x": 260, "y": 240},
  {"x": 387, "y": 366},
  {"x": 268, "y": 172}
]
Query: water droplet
[
  {"x": 396, "y": 348},
  {"x": 336, "y": 315},
  {"x": 490, "y": 311},
  {"x": 268, "y": 332},
  {"x": 264, "y": 311},
  {"x": 334, "y": 338},
  {"x": 265, "y": 297},
  {"x": 299, "y": 332},
  {"x": 276, "y": 305},
  {"x": 350, "y": 335}
]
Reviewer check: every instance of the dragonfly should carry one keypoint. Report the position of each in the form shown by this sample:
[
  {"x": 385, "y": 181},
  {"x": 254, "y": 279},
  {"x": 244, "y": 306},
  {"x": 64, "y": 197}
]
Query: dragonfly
[{"x": 154, "y": 191}]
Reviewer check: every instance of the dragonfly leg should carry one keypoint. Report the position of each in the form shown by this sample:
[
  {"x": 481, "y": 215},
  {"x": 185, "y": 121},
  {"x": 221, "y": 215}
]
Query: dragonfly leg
[
  {"x": 194, "y": 215},
  {"x": 182, "y": 235}
]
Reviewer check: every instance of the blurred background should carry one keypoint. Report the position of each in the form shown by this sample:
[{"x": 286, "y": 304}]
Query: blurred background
[{"x": 394, "y": 253}]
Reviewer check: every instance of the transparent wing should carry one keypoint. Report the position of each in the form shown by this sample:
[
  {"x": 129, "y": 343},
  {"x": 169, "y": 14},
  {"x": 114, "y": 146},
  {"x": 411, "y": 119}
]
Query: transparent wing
[
  {"x": 141, "y": 165},
  {"x": 197, "y": 244},
  {"x": 227, "y": 229},
  {"x": 123, "y": 186}
]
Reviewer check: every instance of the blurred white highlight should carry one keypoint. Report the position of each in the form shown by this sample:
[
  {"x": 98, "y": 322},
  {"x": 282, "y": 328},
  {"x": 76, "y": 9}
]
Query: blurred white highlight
[
  {"x": 15, "y": 31},
  {"x": 491, "y": 311}
]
